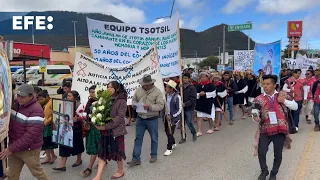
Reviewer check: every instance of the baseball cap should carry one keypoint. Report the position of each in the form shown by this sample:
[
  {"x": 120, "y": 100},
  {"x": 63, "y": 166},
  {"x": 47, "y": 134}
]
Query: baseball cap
[{"x": 25, "y": 90}]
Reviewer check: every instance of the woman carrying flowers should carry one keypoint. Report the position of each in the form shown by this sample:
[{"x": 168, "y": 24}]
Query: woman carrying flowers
[
  {"x": 108, "y": 115},
  {"x": 78, "y": 147},
  {"x": 92, "y": 134}
]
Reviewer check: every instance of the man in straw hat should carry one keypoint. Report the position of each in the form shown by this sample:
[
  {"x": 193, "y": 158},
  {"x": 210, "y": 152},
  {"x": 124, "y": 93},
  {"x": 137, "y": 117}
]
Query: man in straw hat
[
  {"x": 151, "y": 98},
  {"x": 204, "y": 107},
  {"x": 171, "y": 114}
]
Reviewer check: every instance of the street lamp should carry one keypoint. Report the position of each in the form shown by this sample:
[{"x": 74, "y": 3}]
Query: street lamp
[
  {"x": 249, "y": 22},
  {"x": 75, "y": 37}
]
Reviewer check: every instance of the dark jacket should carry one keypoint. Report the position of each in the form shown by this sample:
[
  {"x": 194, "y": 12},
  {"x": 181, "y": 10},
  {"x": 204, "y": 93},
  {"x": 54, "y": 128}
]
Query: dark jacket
[
  {"x": 118, "y": 113},
  {"x": 232, "y": 85},
  {"x": 175, "y": 111},
  {"x": 189, "y": 97},
  {"x": 26, "y": 126}
]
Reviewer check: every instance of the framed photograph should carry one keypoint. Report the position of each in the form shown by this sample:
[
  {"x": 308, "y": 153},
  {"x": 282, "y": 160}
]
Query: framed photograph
[{"x": 63, "y": 112}]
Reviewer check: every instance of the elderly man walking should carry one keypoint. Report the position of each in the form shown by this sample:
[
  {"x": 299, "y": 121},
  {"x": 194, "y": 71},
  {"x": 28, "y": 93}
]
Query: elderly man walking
[
  {"x": 25, "y": 135},
  {"x": 152, "y": 100}
]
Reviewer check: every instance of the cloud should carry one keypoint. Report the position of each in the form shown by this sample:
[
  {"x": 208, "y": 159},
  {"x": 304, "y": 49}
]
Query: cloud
[
  {"x": 285, "y": 6},
  {"x": 193, "y": 23},
  {"x": 128, "y": 14},
  {"x": 268, "y": 26},
  {"x": 236, "y": 6},
  {"x": 311, "y": 26},
  {"x": 193, "y": 5},
  {"x": 161, "y": 20}
]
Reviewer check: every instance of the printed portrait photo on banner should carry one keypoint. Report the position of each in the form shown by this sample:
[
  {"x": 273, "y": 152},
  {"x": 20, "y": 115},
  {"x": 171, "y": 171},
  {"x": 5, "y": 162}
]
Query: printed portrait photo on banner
[{"x": 63, "y": 112}]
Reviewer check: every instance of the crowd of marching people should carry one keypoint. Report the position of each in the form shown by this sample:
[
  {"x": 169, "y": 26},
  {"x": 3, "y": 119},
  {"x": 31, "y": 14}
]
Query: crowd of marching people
[{"x": 203, "y": 97}]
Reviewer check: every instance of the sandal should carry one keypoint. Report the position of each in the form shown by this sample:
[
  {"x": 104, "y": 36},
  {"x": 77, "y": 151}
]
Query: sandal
[
  {"x": 244, "y": 117},
  {"x": 86, "y": 172},
  {"x": 45, "y": 162},
  {"x": 115, "y": 177},
  {"x": 216, "y": 129},
  {"x": 199, "y": 134},
  {"x": 210, "y": 131},
  {"x": 75, "y": 165},
  {"x": 52, "y": 161}
]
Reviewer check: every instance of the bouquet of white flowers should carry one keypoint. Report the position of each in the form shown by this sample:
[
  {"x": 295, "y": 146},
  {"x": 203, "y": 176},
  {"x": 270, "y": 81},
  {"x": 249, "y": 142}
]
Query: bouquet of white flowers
[{"x": 101, "y": 109}]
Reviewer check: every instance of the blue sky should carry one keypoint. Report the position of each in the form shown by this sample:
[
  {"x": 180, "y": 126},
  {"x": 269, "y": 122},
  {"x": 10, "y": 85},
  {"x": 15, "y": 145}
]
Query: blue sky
[{"x": 269, "y": 17}]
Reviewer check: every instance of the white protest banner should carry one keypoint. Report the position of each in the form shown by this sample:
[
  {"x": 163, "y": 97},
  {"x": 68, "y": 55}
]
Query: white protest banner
[
  {"x": 243, "y": 59},
  {"x": 118, "y": 44},
  {"x": 88, "y": 72},
  {"x": 303, "y": 63}
]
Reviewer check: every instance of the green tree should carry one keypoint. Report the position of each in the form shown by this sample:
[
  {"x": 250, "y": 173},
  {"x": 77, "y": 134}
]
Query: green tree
[
  {"x": 210, "y": 61},
  {"x": 188, "y": 65}
]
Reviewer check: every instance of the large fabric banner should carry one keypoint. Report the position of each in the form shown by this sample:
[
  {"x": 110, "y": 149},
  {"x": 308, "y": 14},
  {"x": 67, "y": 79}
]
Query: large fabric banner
[
  {"x": 88, "y": 72},
  {"x": 268, "y": 58},
  {"x": 303, "y": 63},
  {"x": 243, "y": 59},
  {"x": 5, "y": 95},
  {"x": 119, "y": 44}
]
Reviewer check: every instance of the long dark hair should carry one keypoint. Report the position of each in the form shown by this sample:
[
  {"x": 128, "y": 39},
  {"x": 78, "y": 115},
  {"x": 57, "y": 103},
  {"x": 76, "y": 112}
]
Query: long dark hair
[
  {"x": 76, "y": 95},
  {"x": 119, "y": 88}
]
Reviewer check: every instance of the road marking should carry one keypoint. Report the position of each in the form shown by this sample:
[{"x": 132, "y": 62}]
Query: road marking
[{"x": 305, "y": 156}]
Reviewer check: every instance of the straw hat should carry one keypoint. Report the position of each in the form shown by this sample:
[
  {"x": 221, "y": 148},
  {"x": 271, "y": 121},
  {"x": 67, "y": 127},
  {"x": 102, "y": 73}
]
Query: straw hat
[
  {"x": 205, "y": 73},
  {"x": 216, "y": 75},
  {"x": 172, "y": 84}
]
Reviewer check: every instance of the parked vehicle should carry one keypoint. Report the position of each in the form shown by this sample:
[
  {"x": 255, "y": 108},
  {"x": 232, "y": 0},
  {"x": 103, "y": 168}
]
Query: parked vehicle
[
  {"x": 18, "y": 75},
  {"x": 53, "y": 75},
  {"x": 13, "y": 69}
]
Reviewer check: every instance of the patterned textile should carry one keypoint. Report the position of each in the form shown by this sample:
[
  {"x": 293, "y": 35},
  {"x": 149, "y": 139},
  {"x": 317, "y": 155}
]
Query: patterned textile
[{"x": 111, "y": 148}]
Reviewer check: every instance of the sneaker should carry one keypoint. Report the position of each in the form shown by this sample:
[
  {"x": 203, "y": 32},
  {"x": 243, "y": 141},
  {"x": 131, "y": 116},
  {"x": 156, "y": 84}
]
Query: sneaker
[
  {"x": 316, "y": 128},
  {"x": 153, "y": 159},
  {"x": 134, "y": 163},
  {"x": 168, "y": 152},
  {"x": 297, "y": 129},
  {"x": 181, "y": 141},
  {"x": 194, "y": 137},
  {"x": 174, "y": 146},
  {"x": 263, "y": 175}
]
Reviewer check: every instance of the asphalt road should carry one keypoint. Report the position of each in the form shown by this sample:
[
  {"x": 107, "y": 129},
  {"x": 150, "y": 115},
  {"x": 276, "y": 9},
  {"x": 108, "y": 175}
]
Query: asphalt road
[{"x": 223, "y": 155}]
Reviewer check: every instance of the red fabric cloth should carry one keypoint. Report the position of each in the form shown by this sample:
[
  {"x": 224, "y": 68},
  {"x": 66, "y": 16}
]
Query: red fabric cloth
[
  {"x": 316, "y": 98},
  {"x": 297, "y": 86},
  {"x": 216, "y": 83},
  {"x": 309, "y": 83},
  {"x": 204, "y": 83},
  {"x": 267, "y": 128}
]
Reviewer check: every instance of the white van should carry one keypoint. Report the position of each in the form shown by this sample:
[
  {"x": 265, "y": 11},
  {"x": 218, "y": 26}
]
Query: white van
[
  {"x": 54, "y": 74},
  {"x": 18, "y": 76}
]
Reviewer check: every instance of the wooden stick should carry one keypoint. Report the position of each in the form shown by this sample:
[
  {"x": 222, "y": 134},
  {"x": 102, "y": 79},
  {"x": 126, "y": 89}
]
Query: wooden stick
[
  {"x": 224, "y": 113},
  {"x": 4, "y": 161},
  {"x": 180, "y": 79}
]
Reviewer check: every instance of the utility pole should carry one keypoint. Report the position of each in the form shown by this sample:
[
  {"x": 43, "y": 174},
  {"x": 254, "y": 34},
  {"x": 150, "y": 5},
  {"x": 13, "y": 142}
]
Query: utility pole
[
  {"x": 172, "y": 8},
  {"x": 75, "y": 38},
  {"x": 32, "y": 31},
  {"x": 224, "y": 45},
  {"x": 219, "y": 56}
]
